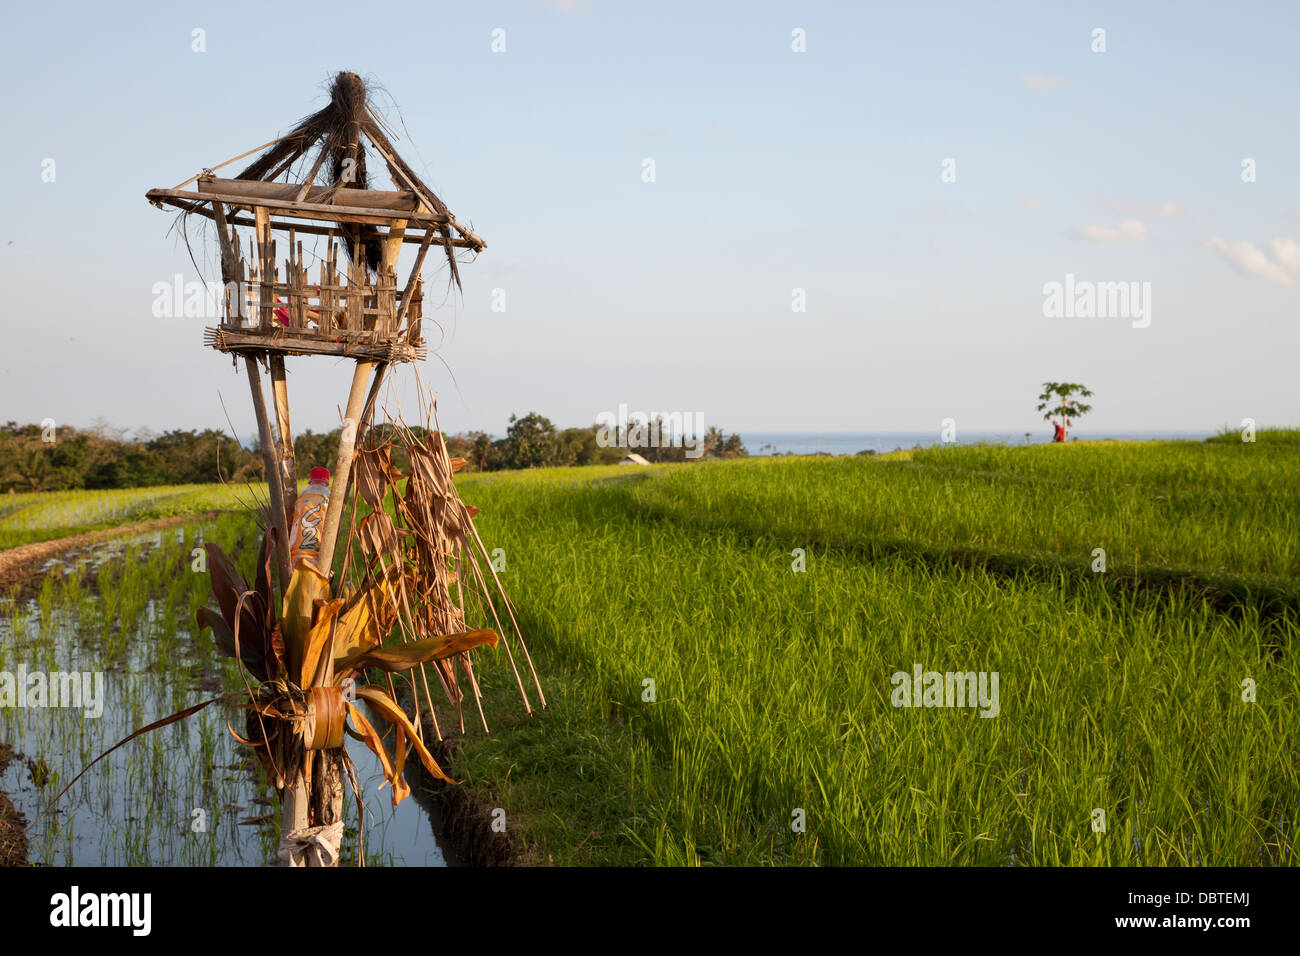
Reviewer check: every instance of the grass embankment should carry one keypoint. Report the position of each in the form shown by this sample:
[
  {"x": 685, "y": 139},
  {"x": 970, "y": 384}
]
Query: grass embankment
[
  {"x": 44, "y": 516},
  {"x": 772, "y": 688}
]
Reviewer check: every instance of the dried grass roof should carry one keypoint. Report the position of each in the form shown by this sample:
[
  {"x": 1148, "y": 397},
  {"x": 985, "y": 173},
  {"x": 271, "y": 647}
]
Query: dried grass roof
[{"x": 342, "y": 134}]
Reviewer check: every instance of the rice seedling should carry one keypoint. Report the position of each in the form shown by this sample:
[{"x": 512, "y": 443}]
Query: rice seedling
[{"x": 137, "y": 806}]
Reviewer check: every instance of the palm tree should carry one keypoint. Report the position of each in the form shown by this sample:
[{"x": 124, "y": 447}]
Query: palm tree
[{"x": 713, "y": 442}]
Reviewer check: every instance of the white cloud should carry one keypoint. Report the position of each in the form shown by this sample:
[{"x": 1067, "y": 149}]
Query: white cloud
[
  {"x": 1130, "y": 230},
  {"x": 1287, "y": 252},
  {"x": 1029, "y": 201},
  {"x": 1250, "y": 260},
  {"x": 1040, "y": 83}
]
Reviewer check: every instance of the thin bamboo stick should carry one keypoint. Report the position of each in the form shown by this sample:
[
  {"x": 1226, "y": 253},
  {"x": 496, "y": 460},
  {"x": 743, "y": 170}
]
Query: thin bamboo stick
[{"x": 228, "y": 162}]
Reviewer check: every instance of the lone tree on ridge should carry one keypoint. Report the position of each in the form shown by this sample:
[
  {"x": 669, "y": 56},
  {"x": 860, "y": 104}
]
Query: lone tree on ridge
[{"x": 1058, "y": 399}]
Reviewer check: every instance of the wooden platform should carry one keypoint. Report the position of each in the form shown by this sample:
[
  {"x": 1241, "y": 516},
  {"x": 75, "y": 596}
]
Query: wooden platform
[{"x": 361, "y": 345}]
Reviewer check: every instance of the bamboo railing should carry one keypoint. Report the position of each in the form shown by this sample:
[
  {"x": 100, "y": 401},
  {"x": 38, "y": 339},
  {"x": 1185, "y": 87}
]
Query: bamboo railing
[{"x": 292, "y": 306}]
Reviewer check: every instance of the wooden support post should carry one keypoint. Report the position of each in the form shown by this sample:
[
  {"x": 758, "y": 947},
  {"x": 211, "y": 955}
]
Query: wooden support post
[
  {"x": 326, "y": 797},
  {"x": 415, "y": 315},
  {"x": 343, "y": 467},
  {"x": 389, "y": 250},
  {"x": 272, "y": 466},
  {"x": 327, "y": 793},
  {"x": 288, "y": 466}
]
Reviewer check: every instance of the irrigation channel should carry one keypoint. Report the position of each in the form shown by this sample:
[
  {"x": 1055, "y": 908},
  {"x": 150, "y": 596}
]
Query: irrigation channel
[{"x": 184, "y": 795}]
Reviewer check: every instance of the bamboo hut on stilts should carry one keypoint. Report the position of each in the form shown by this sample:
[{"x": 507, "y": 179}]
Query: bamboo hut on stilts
[{"x": 417, "y": 567}]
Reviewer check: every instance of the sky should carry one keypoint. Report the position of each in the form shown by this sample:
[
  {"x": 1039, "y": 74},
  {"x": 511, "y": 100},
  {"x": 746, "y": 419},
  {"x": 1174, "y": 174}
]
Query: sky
[{"x": 855, "y": 215}]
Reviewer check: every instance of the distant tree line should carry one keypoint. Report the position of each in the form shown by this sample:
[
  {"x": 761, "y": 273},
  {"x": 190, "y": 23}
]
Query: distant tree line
[
  {"x": 104, "y": 457},
  {"x": 533, "y": 441}
]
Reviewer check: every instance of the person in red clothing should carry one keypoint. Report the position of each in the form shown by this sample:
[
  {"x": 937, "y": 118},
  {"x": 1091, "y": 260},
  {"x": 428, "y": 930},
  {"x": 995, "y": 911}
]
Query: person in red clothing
[{"x": 1060, "y": 432}]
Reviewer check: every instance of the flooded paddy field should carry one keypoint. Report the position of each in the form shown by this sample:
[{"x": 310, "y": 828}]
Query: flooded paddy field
[{"x": 104, "y": 642}]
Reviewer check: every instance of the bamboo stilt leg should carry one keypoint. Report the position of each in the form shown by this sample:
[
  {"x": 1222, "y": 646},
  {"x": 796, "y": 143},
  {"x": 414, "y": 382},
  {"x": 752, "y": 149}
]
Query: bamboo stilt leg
[
  {"x": 272, "y": 465},
  {"x": 293, "y": 816},
  {"x": 288, "y": 467},
  {"x": 343, "y": 467},
  {"x": 327, "y": 787},
  {"x": 368, "y": 412}
]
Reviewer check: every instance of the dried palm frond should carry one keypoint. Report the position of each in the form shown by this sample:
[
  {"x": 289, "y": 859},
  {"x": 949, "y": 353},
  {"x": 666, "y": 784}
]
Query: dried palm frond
[
  {"x": 416, "y": 543},
  {"x": 419, "y": 539}
]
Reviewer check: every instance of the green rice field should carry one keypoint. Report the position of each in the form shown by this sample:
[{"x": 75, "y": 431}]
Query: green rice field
[
  {"x": 773, "y": 686},
  {"x": 42, "y": 516},
  {"x": 718, "y": 643}
]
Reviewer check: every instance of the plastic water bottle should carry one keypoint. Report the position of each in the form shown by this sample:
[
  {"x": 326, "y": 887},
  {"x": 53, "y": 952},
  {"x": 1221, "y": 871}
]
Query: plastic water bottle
[{"x": 309, "y": 517}]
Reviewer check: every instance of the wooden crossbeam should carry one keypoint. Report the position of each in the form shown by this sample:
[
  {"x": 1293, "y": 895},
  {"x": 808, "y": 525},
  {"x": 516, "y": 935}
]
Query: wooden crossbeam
[
  {"x": 400, "y": 200},
  {"x": 326, "y": 212}
]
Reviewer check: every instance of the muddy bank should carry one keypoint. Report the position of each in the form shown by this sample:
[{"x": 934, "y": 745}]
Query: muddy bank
[
  {"x": 13, "y": 838},
  {"x": 19, "y": 564},
  {"x": 466, "y": 816}
]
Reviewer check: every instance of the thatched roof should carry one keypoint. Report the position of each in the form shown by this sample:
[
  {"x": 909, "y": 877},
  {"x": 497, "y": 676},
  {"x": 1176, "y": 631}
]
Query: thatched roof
[{"x": 341, "y": 135}]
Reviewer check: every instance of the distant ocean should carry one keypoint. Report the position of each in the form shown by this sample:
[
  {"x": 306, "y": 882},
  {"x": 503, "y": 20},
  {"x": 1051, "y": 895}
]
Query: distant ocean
[{"x": 850, "y": 443}]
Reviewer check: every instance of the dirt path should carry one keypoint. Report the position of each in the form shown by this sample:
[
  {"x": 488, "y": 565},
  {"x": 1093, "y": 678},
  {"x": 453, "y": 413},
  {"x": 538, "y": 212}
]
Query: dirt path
[{"x": 18, "y": 564}]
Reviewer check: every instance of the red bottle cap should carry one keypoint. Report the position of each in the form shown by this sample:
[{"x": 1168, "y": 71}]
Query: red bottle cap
[{"x": 320, "y": 474}]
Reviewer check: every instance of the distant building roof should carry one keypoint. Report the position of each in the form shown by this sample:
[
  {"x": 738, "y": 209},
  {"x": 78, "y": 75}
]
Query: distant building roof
[{"x": 634, "y": 459}]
